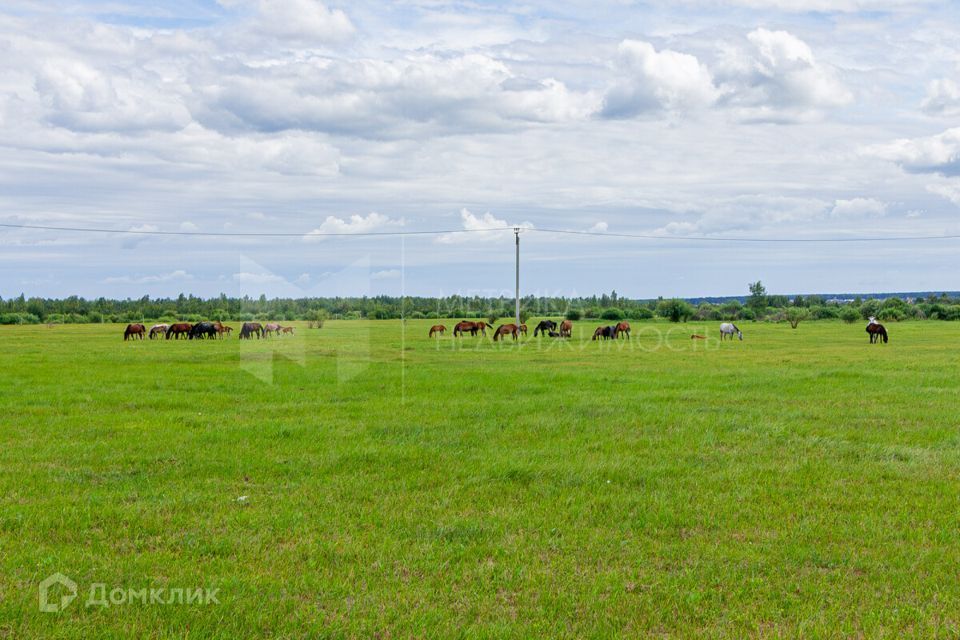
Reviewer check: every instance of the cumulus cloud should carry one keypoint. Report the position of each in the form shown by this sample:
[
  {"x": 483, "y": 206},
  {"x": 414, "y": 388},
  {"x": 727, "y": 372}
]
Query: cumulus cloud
[
  {"x": 776, "y": 77},
  {"x": 948, "y": 190},
  {"x": 246, "y": 277},
  {"x": 934, "y": 154},
  {"x": 943, "y": 98},
  {"x": 653, "y": 80},
  {"x": 355, "y": 224},
  {"x": 385, "y": 274},
  {"x": 482, "y": 228},
  {"x": 858, "y": 208},
  {"x": 599, "y": 227},
  {"x": 304, "y": 21}
]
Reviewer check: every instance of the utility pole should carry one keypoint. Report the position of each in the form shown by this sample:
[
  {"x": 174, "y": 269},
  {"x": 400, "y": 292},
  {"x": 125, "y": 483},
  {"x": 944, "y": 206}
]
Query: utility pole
[{"x": 516, "y": 232}]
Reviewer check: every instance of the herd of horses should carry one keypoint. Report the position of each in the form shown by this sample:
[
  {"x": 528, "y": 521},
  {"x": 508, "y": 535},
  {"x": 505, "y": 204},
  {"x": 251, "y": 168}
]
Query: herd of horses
[{"x": 203, "y": 330}]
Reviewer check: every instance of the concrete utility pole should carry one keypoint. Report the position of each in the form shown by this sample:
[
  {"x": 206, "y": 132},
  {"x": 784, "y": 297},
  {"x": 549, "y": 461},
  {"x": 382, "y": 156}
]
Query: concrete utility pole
[{"x": 516, "y": 232}]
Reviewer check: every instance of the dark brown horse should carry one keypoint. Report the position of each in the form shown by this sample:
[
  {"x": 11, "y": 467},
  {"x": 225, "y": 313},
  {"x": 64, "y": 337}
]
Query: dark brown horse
[
  {"x": 623, "y": 328},
  {"x": 134, "y": 331},
  {"x": 251, "y": 328},
  {"x": 473, "y": 327},
  {"x": 179, "y": 329},
  {"x": 505, "y": 329},
  {"x": 605, "y": 333},
  {"x": 523, "y": 329},
  {"x": 437, "y": 328},
  {"x": 566, "y": 329},
  {"x": 544, "y": 327},
  {"x": 877, "y": 333}
]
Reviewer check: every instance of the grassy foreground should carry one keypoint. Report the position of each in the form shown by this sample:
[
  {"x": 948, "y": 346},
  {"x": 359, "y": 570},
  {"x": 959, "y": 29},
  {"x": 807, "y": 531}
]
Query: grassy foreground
[{"x": 362, "y": 480}]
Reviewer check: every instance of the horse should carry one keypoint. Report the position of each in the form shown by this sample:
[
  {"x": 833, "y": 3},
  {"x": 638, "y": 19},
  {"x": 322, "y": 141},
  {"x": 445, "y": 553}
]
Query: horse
[
  {"x": 727, "y": 329},
  {"x": 523, "y": 329},
  {"x": 437, "y": 328},
  {"x": 271, "y": 327},
  {"x": 286, "y": 330},
  {"x": 178, "y": 329},
  {"x": 605, "y": 333},
  {"x": 554, "y": 334},
  {"x": 203, "y": 330},
  {"x": 544, "y": 327},
  {"x": 251, "y": 328},
  {"x": 134, "y": 331},
  {"x": 222, "y": 328},
  {"x": 158, "y": 329},
  {"x": 472, "y": 327},
  {"x": 698, "y": 337},
  {"x": 623, "y": 327},
  {"x": 505, "y": 329},
  {"x": 877, "y": 333},
  {"x": 566, "y": 329}
]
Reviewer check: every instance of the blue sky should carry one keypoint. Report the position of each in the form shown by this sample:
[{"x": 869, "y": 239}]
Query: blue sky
[{"x": 677, "y": 119}]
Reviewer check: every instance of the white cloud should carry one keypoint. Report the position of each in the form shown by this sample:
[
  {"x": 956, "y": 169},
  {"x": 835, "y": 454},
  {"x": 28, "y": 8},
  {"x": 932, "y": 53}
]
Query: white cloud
[
  {"x": 599, "y": 227},
  {"x": 150, "y": 279},
  {"x": 858, "y": 208},
  {"x": 948, "y": 190},
  {"x": 369, "y": 223},
  {"x": 386, "y": 274},
  {"x": 246, "y": 277},
  {"x": 653, "y": 80},
  {"x": 943, "y": 98},
  {"x": 932, "y": 154},
  {"x": 483, "y": 228}
]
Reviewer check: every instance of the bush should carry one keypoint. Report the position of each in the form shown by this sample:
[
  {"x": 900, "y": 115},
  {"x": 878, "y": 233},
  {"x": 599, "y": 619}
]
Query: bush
[
  {"x": 612, "y": 314},
  {"x": 640, "y": 313},
  {"x": 746, "y": 313},
  {"x": 795, "y": 315},
  {"x": 19, "y": 318},
  {"x": 869, "y": 308},
  {"x": 675, "y": 310},
  {"x": 849, "y": 314},
  {"x": 573, "y": 314},
  {"x": 891, "y": 314},
  {"x": 824, "y": 313}
]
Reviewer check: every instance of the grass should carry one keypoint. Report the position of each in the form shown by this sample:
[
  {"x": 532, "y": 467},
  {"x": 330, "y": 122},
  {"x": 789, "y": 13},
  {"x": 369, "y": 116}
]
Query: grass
[{"x": 801, "y": 483}]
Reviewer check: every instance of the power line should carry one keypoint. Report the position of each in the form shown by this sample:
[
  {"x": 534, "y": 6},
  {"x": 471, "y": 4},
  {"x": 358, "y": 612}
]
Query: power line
[{"x": 604, "y": 234}]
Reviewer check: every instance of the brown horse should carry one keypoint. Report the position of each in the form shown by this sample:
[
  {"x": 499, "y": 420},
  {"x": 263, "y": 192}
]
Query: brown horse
[
  {"x": 505, "y": 329},
  {"x": 134, "y": 331},
  {"x": 623, "y": 327},
  {"x": 158, "y": 330},
  {"x": 287, "y": 330},
  {"x": 697, "y": 337},
  {"x": 523, "y": 329},
  {"x": 222, "y": 329},
  {"x": 437, "y": 328},
  {"x": 566, "y": 329},
  {"x": 605, "y": 333},
  {"x": 179, "y": 329},
  {"x": 472, "y": 327},
  {"x": 877, "y": 333}
]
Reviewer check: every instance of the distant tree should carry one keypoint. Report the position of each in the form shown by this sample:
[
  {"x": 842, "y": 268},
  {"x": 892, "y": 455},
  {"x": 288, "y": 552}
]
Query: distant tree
[
  {"x": 758, "y": 297},
  {"x": 795, "y": 315},
  {"x": 675, "y": 310},
  {"x": 612, "y": 314},
  {"x": 573, "y": 314}
]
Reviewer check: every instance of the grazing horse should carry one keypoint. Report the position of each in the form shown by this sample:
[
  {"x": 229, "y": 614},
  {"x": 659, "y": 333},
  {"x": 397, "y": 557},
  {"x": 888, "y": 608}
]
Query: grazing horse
[
  {"x": 134, "y": 331},
  {"x": 437, "y": 328},
  {"x": 877, "y": 333},
  {"x": 287, "y": 330},
  {"x": 566, "y": 329},
  {"x": 251, "y": 328},
  {"x": 203, "y": 330},
  {"x": 505, "y": 329},
  {"x": 523, "y": 329},
  {"x": 271, "y": 327},
  {"x": 179, "y": 329},
  {"x": 544, "y": 327},
  {"x": 623, "y": 327},
  {"x": 222, "y": 328},
  {"x": 472, "y": 327},
  {"x": 727, "y": 329},
  {"x": 158, "y": 330},
  {"x": 554, "y": 334},
  {"x": 606, "y": 333}
]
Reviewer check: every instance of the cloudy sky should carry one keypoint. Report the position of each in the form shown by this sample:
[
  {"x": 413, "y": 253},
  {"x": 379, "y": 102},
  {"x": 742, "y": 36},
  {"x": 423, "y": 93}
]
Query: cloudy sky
[{"x": 680, "y": 119}]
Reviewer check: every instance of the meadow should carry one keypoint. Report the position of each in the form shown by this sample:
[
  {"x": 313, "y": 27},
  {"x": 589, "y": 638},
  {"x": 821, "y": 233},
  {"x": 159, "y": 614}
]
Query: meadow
[{"x": 362, "y": 480}]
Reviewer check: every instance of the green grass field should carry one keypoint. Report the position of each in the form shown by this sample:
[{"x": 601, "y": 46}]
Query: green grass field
[{"x": 801, "y": 483}]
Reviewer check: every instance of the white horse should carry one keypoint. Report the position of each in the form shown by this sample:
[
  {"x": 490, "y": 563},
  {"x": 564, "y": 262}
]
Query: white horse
[{"x": 727, "y": 329}]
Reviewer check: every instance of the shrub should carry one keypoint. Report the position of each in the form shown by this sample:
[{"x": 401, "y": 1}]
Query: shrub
[
  {"x": 795, "y": 315},
  {"x": 612, "y": 314},
  {"x": 824, "y": 313},
  {"x": 573, "y": 314},
  {"x": 746, "y": 313},
  {"x": 675, "y": 310},
  {"x": 849, "y": 314},
  {"x": 640, "y": 313},
  {"x": 869, "y": 308}
]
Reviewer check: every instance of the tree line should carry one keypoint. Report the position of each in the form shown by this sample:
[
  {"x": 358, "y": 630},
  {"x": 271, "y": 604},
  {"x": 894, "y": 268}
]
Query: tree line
[{"x": 188, "y": 308}]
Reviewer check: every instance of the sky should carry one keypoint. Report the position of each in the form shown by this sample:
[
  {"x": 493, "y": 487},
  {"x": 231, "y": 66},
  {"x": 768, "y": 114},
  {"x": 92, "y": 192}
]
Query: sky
[{"x": 676, "y": 119}]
